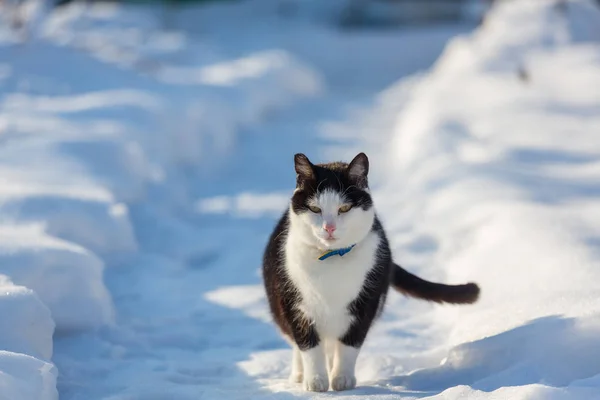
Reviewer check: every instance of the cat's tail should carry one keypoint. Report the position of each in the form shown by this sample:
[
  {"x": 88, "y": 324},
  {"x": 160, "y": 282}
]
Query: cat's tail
[{"x": 412, "y": 285}]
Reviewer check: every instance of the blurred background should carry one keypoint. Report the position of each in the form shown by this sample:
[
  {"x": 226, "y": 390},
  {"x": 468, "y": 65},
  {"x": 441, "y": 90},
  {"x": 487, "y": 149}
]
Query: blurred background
[{"x": 146, "y": 152}]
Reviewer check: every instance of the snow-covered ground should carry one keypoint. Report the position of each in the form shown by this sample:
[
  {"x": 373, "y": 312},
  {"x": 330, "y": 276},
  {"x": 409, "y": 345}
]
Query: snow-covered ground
[{"x": 142, "y": 170}]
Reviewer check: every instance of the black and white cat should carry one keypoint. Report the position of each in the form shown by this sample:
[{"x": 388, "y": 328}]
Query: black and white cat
[{"x": 327, "y": 269}]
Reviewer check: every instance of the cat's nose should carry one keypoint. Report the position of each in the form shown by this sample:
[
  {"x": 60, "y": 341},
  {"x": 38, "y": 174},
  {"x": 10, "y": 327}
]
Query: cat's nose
[{"x": 330, "y": 228}]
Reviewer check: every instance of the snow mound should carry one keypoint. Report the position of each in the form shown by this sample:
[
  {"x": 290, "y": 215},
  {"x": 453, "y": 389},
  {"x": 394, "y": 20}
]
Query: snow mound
[
  {"x": 486, "y": 364},
  {"x": 31, "y": 325},
  {"x": 494, "y": 158},
  {"x": 26, "y": 342},
  {"x": 98, "y": 226},
  {"x": 66, "y": 277},
  {"x": 26, "y": 377}
]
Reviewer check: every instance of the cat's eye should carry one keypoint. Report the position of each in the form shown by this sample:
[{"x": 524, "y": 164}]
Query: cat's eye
[
  {"x": 314, "y": 209},
  {"x": 345, "y": 208}
]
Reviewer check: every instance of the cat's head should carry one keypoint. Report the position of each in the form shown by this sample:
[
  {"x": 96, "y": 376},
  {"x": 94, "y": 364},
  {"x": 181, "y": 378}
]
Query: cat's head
[{"x": 332, "y": 205}]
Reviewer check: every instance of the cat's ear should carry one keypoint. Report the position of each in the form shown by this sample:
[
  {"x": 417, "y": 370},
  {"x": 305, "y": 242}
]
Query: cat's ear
[
  {"x": 304, "y": 167},
  {"x": 358, "y": 169}
]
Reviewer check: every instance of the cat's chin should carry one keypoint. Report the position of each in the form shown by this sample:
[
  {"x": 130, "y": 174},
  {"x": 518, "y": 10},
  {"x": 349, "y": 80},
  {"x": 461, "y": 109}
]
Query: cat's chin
[{"x": 331, "y": 244}]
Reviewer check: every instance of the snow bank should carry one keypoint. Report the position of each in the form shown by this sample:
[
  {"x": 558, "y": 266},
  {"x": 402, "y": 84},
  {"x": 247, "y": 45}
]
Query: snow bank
[
  {"x": 31, "y": 326},
  {"x": 66, "y": 277},
  {"x": 494, "y": 165},
  {"x": 26, "y": 377},
  {"x": 26, "y": 341},
  {"x": 55, "y": 218}
]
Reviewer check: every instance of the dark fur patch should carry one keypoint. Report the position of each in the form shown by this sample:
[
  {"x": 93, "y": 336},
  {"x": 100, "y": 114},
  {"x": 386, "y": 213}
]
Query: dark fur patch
[
  {"x": 411, "y": 285},
  {"x": 371, "y": 299},
  {"x": 282, "y": 294},
  {"x": 333, "y": 176}
]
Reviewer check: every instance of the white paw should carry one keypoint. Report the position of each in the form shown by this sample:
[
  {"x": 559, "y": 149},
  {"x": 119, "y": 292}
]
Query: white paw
[
  {"x": 316, "y": 383},
  {"x": 343, "y": 382},
  {"x": 296, "y": 377}
]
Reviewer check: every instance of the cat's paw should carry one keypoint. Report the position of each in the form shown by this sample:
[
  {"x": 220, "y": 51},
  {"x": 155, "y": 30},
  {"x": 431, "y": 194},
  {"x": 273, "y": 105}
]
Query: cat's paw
[
  {"x": 316, "y": 383},
  {"x": 296, "y": 377},
  {"x": 343, "y": 382}
]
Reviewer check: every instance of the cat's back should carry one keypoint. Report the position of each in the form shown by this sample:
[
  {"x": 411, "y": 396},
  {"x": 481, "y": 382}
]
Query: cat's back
[
  {"x": 275, "y": 279},
  {"x": 274, "y": 252}
]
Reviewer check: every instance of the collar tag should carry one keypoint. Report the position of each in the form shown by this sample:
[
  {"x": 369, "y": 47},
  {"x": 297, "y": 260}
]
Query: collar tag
[{"x": 339, "y": 252}]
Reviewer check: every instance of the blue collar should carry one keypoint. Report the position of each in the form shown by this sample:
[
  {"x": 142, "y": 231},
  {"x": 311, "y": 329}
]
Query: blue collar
[{"x": 339, "y": 252}]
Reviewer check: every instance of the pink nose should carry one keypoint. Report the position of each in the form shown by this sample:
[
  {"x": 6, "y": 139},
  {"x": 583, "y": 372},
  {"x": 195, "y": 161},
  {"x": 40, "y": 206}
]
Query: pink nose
[{"x": 330, "y": 228}]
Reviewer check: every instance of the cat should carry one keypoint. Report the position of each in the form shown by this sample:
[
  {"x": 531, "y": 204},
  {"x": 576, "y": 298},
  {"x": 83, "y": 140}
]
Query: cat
[{"x": 327, "y": 268}]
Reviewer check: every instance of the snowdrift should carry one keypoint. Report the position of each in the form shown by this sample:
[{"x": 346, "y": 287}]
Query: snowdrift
[
  {"x": 493, "y": 177},
  {"x": 26, "y": 338}
]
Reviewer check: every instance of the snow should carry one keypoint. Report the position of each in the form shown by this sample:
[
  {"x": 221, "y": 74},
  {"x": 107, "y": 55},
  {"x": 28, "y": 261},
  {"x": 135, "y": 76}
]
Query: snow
[
  {"x": 26, "y": 377},
  {"x": 477, "y": 151},
  {"x": 245, "y": 205},
  {"x": 66, "y": 277},
  {"x": 26, "y": 340},
  {"x": 32, "y": 326},
  {"x": 144, "y": 158}
]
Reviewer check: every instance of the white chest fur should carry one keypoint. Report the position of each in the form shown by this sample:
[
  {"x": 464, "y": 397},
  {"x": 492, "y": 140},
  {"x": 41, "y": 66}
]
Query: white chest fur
[{"x": 327, "y": 287}]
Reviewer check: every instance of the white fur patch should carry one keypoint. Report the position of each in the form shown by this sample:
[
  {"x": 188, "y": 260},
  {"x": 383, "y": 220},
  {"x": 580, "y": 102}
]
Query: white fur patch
[
  {"x": 297, "y": 373},
  {"x": 327, "y": 287},
  {"x": 344, "y": 362},
  {"x": 351, "y": 227},
  {"x": 315, "y": 373}
]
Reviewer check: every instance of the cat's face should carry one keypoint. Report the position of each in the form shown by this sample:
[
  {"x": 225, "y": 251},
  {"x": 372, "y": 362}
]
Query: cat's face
[{"x": 331, "y": 203}]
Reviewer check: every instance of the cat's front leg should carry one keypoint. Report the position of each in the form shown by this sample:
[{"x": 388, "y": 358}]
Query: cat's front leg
[
  {"x": 364, "y": 310},
  {"x": 329, "y": 354},
  {"x": 297, "y": 374},
  {"x": 344, "y": 362},
  {"x": 315, "y": 369},
  {"x": 315, "y": 377}
]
